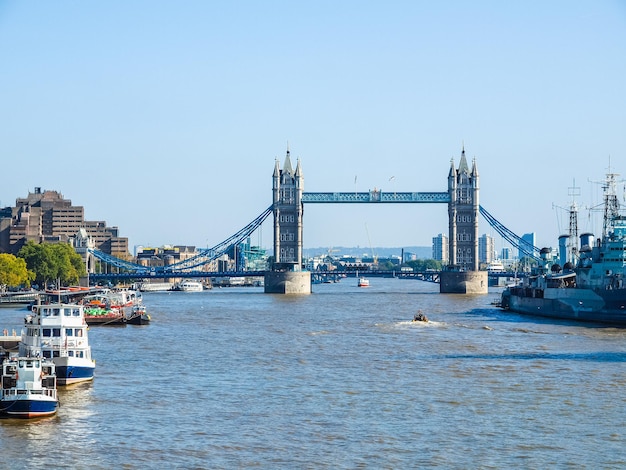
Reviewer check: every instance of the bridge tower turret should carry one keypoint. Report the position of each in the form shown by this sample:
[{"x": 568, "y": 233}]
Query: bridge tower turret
[
  {"x": 286, "y": 275},
  {"x": 463, "y": 209}
]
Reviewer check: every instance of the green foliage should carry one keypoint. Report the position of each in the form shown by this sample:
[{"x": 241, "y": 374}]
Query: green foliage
[
  {"x": 387, "y": 266},
  {"x": 55, "y": 261},
  {"x": 421, "y": 265},
  {"x": 13, "y": 271}
]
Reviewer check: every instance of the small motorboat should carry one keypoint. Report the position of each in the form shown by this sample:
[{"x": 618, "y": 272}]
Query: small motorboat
[
  {"x": 29, "y": 388},
  {"x": 363, "y": 282},
  {"x": 419, "y": 316},
  {"x": 138, "y": 316}
]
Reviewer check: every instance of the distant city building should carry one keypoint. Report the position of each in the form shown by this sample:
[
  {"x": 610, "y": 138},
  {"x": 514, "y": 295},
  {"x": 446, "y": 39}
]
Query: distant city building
[
  {"x": 164, "y": 255},
  {"x": 529, "y": 241},
  {"x": 486, "y": 249},
  {"x": 45, "y": 216},
  {"x": 440, "y": 248},
  {"x": 505, "y": 254}
]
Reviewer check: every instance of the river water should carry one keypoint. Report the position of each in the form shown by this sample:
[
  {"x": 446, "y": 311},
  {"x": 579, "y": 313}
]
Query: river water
[{"x": 339, "y": 379}]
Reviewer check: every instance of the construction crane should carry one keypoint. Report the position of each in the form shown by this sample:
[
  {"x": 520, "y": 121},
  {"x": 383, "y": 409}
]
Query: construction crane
[{"x": 374, "y": 257}]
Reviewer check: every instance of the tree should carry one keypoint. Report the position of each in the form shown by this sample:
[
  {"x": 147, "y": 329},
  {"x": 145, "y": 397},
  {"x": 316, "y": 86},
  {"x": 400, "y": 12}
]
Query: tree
[
  {"x": 13, "y": 271},
  {"x": 421, "y": 265},
  {"x": 50, "y": 262}
]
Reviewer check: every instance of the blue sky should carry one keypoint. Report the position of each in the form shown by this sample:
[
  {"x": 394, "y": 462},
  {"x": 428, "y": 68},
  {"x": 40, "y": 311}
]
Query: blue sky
[{"x": 165, "y": 118}]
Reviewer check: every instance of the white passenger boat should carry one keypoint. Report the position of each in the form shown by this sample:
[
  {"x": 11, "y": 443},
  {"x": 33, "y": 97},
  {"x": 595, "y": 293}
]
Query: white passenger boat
[
  {"x": 59, "y": 332},
  {"x": 29, "y": 388},
  {"x": 189, "y": 286},
  {"x": 363, "y": 282}
]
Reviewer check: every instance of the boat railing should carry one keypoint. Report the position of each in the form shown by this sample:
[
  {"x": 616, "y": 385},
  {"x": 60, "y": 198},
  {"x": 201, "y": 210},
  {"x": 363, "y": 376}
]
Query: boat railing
[{"x": 14, "y": 392}]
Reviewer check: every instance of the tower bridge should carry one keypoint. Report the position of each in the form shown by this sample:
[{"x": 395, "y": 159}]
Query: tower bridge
[
  {"x": 462, "y": 198},
  {"x": 286, "y": 275}
]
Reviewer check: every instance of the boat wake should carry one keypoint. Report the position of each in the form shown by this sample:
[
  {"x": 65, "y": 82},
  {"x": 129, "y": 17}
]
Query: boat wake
[{"x": 421, "y": 324}]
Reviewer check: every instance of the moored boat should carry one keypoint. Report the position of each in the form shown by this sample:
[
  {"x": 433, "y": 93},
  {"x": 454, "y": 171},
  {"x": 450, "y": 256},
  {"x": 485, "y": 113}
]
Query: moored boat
[
  {"x": 28, "y": 388},
  {"x": 591, "y": 288},
  {"x": 59, "y": 332},
  {"x": 104, "y": 316},
  {"x": 138, "y": 316}
]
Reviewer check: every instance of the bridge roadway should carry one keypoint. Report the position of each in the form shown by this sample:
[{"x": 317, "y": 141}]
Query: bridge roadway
[
  {"x": 425, "y": 275},
  {"x": 375, "y": 196}
]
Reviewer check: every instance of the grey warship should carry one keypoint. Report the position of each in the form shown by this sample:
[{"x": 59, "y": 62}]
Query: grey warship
[{"x": 590, "y": 288}]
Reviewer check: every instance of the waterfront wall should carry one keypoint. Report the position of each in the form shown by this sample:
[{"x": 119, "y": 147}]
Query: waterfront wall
[
  {"x": 288, "y": 282},
  {"x": 463, "y": 282}
]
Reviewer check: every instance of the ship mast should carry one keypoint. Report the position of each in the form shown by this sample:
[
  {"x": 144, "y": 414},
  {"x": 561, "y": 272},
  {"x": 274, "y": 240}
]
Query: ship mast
[
  {"x": 611, "y": 204},
  {"x": 573, "y": 224}
]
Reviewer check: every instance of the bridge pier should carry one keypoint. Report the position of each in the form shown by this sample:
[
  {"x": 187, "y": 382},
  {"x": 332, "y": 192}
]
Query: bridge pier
[
  {"x": 463, "y": 282},
  {"x": 289, "y": 282}
]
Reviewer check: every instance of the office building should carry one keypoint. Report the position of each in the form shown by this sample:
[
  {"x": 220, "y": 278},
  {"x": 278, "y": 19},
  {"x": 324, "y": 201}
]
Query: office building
[
  {"x": 440, "y": 248},
  {"x": 47, "y": 217}
]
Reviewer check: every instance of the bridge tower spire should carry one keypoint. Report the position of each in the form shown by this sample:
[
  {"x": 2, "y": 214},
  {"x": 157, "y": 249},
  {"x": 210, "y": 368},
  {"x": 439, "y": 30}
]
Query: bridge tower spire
[{"x": 286, "y": 275}]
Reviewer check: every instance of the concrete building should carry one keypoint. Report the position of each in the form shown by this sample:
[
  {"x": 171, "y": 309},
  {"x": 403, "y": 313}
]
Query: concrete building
[
  {"x": 45, "y": 216},
  {"x": 529, "y": 242},
  {"x": 440, "y": 248},
  {"x": 486, "y": 249}
]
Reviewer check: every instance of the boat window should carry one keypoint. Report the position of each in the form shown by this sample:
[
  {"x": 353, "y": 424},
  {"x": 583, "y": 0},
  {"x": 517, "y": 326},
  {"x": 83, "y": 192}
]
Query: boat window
[
  {"x": 21, "y": 364},
  {"x": 76, "y": 312},
  {"x": 78, "y": 332},
  {"x": 36, "y": 363},
  {"x": 69, "y": 332},
  {"x": 70, "y": 353},
  {"x": 67, "y": 312},
  {"x": 56, "y": 312},
  {"x": 47, "y": 354},
  {"x": 46, "y": 312},
  {"x": 55, "y": 353},
  {"x": 56, "y": 331},
  {"x": 79, "y": 354},
  {"x": 46, "y": 332}
]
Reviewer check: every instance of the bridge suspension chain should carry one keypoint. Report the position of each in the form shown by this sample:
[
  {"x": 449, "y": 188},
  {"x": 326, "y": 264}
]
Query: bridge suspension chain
[
  {"x": 527, "y": 248},
  {"x": 200, "y": 259},
  {"x": 218, "y": 250}
]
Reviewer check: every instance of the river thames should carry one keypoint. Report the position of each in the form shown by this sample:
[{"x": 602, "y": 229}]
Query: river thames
[{"x": 341, "y": 378}]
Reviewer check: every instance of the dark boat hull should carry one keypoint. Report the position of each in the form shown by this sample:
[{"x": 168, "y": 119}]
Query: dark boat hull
[
  {"x": 28, "y": 408},
  {"x": 139, "y": 319},
  {"x": 585, "y": 305},
  {"x": 106, "y": 320}
]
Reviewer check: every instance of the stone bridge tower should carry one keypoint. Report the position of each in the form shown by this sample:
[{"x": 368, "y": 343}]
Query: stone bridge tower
[
  {"x": 462, "y": 274},
  {"x": 286, "y": 275}
]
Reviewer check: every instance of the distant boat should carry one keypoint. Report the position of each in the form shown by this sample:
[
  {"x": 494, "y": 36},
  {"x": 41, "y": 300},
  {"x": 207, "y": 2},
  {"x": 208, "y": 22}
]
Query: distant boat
[
  {"x": 363, "y": 282},
  {"x": 29, "y": 388},
  {"x": 18, "y": 299},
  {"x": 155, "y": 286},
  {"x": 189, "y": 286}
]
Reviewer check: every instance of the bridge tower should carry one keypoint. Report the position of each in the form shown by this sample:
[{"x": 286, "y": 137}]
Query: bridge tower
[
  {"x": 286, "y": 275},
  {"x": 462, "y": 274}
]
